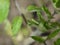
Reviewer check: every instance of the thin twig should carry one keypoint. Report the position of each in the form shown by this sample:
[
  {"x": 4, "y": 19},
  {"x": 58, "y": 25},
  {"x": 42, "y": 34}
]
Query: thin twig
[{"x": 18, "y": 8}]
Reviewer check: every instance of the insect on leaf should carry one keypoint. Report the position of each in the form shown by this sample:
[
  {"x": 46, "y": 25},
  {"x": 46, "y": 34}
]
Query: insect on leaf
[{"x": 4, "y": 9}]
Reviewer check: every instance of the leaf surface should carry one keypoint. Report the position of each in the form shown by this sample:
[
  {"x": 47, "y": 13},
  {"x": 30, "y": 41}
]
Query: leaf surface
[{"x": 4, "y": 9}]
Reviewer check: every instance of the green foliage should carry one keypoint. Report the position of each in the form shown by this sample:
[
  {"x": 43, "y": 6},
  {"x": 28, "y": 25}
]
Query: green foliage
[
  {"x": 54, "y": 1},
  {"x": 39, "y": 39},
  {"x": 45, "y": 25},
  {"x": 55, "y": 24},
  {"x": 16, "y": 24},
  {"x": 13, "y": 29},
  {"x": 41, "y": 19},
  {"x": 47, "y": 11},
  {"x": 42, "y": 27},
  {"x": 53, "y": 34},
  {"x": 42, "y": 24},
  {"x": 31, "y": 22},
  {"x": 58, "y": 4},
  {"x": 33, "y": 8},
  {"x": 57, "y": 42},
  {"x": 4, "y": 9}
]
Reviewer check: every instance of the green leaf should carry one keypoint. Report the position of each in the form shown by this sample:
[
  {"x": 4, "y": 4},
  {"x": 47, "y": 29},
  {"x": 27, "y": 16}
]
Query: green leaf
[
  {"x": 53, "y": 34},
  {"x": 54, "y": 1},
  {"x": 55, "y": 24},
  {"x": 39, "y": 39},
  {"x": 57, "y": 42},
  {"x": 31, "y": 22},
  {"x": 4, "y": 9},
  {"x": 41, "y": 19},
  {"x": 42, "y": 27},
  {"x": 47, "y": 12},
  {"x": 34, "y": 21},
  {"x": 58, "y": 4},
  {"x": 32, "y": 8},
  {"x": 16, "y": 24},
  {"x": 47, "y": 26}
]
